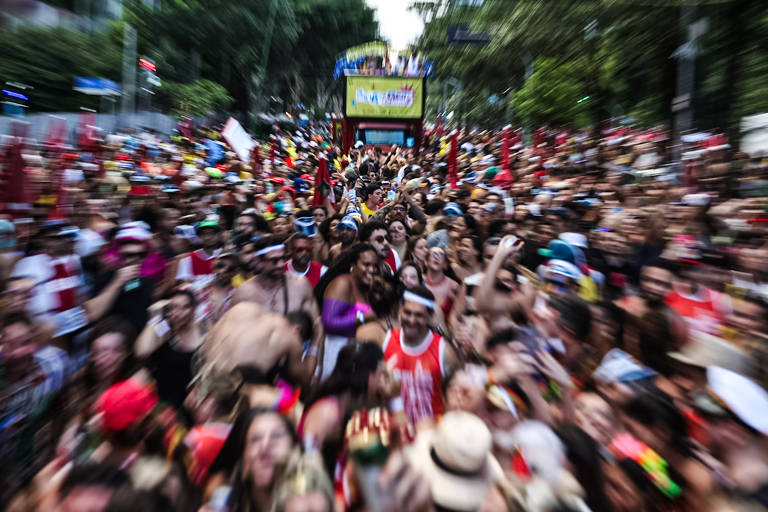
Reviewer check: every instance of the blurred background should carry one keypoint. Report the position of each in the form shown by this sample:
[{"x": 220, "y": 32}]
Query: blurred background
[{"x": 679, "y": 63}]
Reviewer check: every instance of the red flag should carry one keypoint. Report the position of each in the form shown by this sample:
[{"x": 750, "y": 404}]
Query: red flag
[
  {"x": 322, "y": 182},
  {"x": 86, "y": 137},
  {"x": 57, "y": 132},
  {"x": 453, "y": 176},
  {"x": 517, "y": 138},
  {"x": 16, "y": 177},
  {"x": 57, "y": 177},
  {"x": 561, "y": 138},
  {"x": 185, "y": 127},
  {"x": 505, "y": 148},
  {"x": 256, "y": 159},
  {"x": 439, "y": 126},
  {"x": 272, "y": 151}
]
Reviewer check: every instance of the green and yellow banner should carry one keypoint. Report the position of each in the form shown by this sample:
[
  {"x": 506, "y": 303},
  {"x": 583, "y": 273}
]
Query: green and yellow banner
[{"x": 384, "y": 97}]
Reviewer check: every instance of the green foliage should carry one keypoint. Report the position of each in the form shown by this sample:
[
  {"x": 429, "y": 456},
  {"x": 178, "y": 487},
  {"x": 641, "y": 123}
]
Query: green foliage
[
  {"x": 197, "y": 98},
  {"x": 617, "y": 51},
  {"x": 553, "y": 95},
  {"x": 254, "y": 49},
  {"x": 282, "y": 49},
  {"x": 49, "y": 58}
]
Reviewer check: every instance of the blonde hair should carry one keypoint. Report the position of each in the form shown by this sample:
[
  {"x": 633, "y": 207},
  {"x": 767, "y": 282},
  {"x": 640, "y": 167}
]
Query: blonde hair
[{"x": 304, "y": 475}]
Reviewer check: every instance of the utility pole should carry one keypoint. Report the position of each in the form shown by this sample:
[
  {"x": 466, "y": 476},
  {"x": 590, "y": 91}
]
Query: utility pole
[
  {"x": 682, "y": 104},
  {"x": 129, "y": 69}
]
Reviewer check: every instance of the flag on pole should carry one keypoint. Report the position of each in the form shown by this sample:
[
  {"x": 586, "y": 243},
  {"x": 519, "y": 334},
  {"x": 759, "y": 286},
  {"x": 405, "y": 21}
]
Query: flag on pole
[
  {"x": 272, "y": 152},
  {"x": 504, "y": 178},
  {"x": 256, "y": 159},
  {"x": 323, "y": 187},
  {"x": 505, "y": 148},
  {"x": 453, "y": 176},
  {"x": 15, "y": 181}
]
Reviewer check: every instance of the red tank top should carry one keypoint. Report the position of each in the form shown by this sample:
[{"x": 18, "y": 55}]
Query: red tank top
[
  {"x": 420, "y": 370},
  {"x": 64, "y": 283},
  {"x": 201, "y": 266},
  {"x": 703, "y": 310},
  {"x": 313, "y": 273}
]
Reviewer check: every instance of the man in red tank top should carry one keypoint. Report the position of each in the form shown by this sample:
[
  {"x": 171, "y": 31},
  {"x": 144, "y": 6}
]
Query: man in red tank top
[
  {"x": 420, "y": 358},
  {"x": 300, "y": 265},
  {"x": 197, "y": 266},
  {"x": 703, "y": 308}
]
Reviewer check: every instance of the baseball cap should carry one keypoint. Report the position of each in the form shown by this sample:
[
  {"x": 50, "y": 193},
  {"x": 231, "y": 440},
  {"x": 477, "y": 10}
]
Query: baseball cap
[
  {"x": 452, "y": 209},
  {"x": 125, "y": 404},
  {"x": 576, "y": 239},
  {"x": 561, "y": 250},
  {"x": 7, "y": 226},
  {"x": 562, "y": 269},
  {"x": 208, "y": 224},
  {"x": 347, "y": 222}
]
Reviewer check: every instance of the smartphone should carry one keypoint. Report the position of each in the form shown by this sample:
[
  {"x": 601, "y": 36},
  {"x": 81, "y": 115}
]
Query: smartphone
[
  {"x": 509, "y": 206},
  {"x": 391, "y": 195},
  {"x": 352, "y": 195}
]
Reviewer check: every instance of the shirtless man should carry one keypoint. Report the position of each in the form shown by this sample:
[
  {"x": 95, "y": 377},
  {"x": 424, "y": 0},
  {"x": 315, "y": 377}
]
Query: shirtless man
[
  {"x": 248, "y": 336},
  {"x": 271, "y": 287}
]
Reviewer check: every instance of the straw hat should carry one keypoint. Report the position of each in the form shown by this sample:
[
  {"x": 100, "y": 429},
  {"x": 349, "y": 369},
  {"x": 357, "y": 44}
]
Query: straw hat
[
  {"x": 456, "y": 459},
  {"x": 707, "y": 350}
]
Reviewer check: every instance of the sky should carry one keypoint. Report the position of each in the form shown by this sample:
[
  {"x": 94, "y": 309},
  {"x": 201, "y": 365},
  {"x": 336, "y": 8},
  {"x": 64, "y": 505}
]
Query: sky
[{"x": 397, "y": 24}]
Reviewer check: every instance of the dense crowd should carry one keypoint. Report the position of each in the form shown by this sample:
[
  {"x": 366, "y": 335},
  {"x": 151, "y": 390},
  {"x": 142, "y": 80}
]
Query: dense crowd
[{"x": 576, "y": 324}]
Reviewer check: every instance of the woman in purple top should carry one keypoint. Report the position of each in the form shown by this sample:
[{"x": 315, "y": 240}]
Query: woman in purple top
[{"x": 343, "y": 291}]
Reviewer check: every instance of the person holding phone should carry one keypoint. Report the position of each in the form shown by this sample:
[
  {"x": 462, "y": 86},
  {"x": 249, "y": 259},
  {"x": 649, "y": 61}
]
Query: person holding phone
[
  {"x": 500, "y": 295},
  {"x": 168, "y": 345}
]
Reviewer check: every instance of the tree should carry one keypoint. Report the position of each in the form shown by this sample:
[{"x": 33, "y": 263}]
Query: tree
[
  {"x": 196, "y": 98},
  {"x": 50, "y": 58},
  {"x": 553, "y": 95},
  {"x": 618, "y": 51},
  {"x": 281, "y": 49}
]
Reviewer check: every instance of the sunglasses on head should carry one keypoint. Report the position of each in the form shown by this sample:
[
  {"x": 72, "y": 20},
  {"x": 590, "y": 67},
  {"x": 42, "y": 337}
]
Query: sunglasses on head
[{"x": 276, "y": 260}]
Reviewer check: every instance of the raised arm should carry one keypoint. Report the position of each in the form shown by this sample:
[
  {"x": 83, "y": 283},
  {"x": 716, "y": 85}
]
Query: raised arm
[{"x": 485, "y": 298}]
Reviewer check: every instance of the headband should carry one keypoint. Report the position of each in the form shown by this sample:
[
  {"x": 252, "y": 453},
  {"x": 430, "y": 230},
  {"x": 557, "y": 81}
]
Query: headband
[
  {"x": 262, "y": 252},
  {"x": 418, "y": 299}
]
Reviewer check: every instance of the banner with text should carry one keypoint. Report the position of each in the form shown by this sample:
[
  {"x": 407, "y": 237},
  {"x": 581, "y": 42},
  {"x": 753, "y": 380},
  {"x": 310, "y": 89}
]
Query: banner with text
[{"x": 385, "y": 97}]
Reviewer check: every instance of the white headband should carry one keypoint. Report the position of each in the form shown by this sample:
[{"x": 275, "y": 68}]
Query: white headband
[
  {"x": 262, "y": 252},
  {"x": 418, "y": 299}
]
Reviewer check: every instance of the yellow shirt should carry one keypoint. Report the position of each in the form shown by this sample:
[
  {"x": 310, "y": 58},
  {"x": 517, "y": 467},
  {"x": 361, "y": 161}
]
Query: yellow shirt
[{"x": 368, "y": 212}]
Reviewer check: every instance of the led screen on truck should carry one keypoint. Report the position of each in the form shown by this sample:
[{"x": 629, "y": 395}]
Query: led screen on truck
[{"x": 384, "y": 97}]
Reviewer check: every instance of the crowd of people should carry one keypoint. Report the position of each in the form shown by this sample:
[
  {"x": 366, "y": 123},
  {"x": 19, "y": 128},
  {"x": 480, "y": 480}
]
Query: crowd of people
[{"x": 579, "y": 324}]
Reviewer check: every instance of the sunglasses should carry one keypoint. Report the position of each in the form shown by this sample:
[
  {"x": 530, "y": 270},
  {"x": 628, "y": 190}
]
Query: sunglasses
[
  {"x": 303, "y": 249},
  {"x": 380, "y": 239},
  {"x": 133, "y": 255}
]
